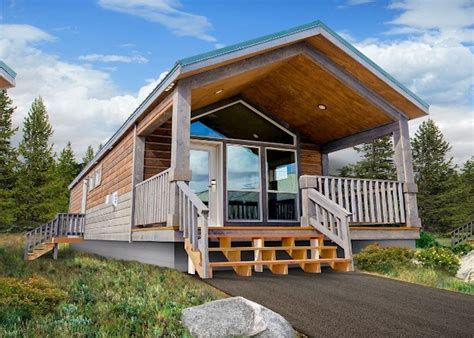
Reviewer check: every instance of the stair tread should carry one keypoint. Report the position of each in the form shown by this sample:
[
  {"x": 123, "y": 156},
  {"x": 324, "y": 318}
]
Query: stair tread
[
  {"x": 264, "y": 235},
  {"x": 252, "y": 248},
  {"x": 281, "y": 261}
]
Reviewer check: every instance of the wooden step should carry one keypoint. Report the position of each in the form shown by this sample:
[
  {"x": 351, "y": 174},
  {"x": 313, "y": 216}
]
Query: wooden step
[
  {"x": 281, "y": 261},
  {"x": 261, "y": 228},
  {"x": 265, "y": 235},
  {"x": 40, "y": 251},
  {"x": 278, "y": 248}
]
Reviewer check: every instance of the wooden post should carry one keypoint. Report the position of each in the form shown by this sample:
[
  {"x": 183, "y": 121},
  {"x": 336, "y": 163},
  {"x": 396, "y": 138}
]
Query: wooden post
[
  {"x": 180, "y": 145},
  {"x": 325, "y": 164},
  {"x": 85, "y": 185},
  {"x": 137, "y": 176},
  {"x": 306, "y": 183},
  {"x": 55, "y": 251},
  {"x": 404, "y": 164}
]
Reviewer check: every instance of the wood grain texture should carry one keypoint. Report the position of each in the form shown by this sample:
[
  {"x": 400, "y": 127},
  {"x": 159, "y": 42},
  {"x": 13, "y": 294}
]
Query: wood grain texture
[
  {"x": 157, "y": 150},
  {"x": 365, "y": 76},
  {"x": 75, "y": 198},
  {"x": 310, "y": 159}
]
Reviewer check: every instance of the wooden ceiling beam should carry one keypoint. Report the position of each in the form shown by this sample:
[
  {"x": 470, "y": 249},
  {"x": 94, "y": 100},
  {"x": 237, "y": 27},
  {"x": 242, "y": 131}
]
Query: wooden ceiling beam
[
  {"x": 362, "y": 137},
  {"x": 352, "y": 82}
]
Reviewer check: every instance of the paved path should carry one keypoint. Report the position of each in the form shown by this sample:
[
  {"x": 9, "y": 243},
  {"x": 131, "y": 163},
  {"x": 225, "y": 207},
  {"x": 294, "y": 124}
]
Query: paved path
[{"x": 354, "y": 304}]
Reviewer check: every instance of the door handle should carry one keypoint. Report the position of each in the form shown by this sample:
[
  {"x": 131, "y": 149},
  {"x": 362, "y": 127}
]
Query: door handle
[{"x": 213, "y": 185}]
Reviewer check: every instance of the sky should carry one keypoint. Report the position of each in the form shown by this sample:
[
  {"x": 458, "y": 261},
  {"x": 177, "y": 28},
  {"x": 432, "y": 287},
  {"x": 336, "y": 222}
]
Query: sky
[{"x": 94, "y": 61}]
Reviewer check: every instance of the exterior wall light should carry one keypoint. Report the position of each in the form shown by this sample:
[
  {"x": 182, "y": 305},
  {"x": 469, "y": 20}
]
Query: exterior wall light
[
  {"x": 322, "y": 106},
  {"x": 219, "y": 91}
]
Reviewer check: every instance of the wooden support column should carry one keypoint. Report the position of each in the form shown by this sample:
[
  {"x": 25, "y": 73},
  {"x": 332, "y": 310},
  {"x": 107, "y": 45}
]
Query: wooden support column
[
  {"x": 55, "y": 251},
  {"x": 180, "y": 145},
  {"x": 137, "y": 174},
  {"x": 404, "y": 164},
  {"x": 325, "y": 164}
]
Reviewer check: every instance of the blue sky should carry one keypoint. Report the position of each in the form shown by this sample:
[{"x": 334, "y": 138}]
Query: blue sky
[{"x": 94, "y": 61}]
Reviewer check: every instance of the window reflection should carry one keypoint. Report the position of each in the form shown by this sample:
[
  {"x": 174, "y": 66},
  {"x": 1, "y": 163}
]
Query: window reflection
[{"x": 199, "y": 164}]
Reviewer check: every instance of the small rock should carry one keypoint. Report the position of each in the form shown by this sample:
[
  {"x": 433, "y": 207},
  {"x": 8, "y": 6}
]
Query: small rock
[
  {"x": 466, "y": 270},
  {"x": 235, "y": 316}
]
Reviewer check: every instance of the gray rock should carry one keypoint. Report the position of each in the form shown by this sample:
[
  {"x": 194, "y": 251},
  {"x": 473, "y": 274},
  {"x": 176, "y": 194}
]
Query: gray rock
[
  {"x": 233, "y": 317},
  {"x": 466, "y": 270}
]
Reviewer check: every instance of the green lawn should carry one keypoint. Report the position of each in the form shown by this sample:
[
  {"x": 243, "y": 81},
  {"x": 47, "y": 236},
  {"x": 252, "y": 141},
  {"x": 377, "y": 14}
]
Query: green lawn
[{"x": 85, "y": 295}]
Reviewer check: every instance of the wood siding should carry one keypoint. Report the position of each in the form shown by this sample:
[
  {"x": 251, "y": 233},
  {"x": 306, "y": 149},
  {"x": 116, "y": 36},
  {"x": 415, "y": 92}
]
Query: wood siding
[
  {"x": 157, "y": 150},
  {"x": 310, "y": 159},
  {"x": 75, "y": 198}
]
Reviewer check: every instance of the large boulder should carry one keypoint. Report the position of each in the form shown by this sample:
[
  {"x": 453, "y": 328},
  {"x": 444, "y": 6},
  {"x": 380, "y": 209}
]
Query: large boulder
[
  {"x": 466, "y": 270},
  {"x": 235, "y": 316}
]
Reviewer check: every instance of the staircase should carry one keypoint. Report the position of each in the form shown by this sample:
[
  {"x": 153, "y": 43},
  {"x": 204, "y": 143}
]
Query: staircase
[
  {"x": 65, "y": 228},
  {"x": 462, "y": 234},
  {"x": 247, "y": 249}
]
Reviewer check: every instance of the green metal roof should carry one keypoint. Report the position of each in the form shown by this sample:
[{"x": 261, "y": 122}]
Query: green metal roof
[{"x": 7, "y": 69}]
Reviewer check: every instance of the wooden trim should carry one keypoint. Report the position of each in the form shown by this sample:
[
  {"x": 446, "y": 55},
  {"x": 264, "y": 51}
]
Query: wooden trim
[
  {"x": 355, "y": 139},
  {"x": 266, "y": 235},
  {"x": 375, "y": 228},
  {"x": 170, "y": 228},
  {"x": 250, "y": 228},
  {"x": 159, "y": 115}
]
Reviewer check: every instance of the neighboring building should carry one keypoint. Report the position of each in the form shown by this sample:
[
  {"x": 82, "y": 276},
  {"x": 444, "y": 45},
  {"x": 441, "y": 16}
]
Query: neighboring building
[
  {"x": 7, "y": 76},
  {"x": 250, "y": 127}
]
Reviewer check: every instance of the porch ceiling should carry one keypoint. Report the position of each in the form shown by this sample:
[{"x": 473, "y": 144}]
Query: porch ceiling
[{"x": 291, "y": 90}]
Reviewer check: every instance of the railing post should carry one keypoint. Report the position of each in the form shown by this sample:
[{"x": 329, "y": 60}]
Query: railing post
[
  {"x": 205, "y": 243},
  {"x": 308, "y": 210},
  {"x": 27, "y": 245},
  {"x": 404, "y": 165}
]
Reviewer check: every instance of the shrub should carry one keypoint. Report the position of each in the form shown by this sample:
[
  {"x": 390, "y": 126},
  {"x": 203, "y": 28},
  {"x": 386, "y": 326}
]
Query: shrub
[
  {"x": 439, "y": 259},
  {"x": 383, "y": 260},
  {"x": 20, "y": 299},
  {"x": 426, "y": 240},
  {"x": 462, "y": 249}
]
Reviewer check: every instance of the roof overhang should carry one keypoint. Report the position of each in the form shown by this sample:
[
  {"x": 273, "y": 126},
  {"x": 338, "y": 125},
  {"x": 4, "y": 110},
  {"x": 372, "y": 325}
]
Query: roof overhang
[
  {"x": 316, "y": 34},
  {"x": 7, "y": 76}
]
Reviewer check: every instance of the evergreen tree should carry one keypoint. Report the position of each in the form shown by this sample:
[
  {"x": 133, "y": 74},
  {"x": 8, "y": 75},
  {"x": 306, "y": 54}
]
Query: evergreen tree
[
  {"x": 8, "y": 163},
  {"x": 88, "y": 156},
  {"x": 438, "y": 185},
  {"x": 376, "y": 162},
  {"x": 36, "y": 180},
  {"x": 66, "y": 170}
]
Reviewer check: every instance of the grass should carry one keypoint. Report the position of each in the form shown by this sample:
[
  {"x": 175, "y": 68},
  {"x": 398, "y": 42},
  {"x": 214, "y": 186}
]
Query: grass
[{"x": 86, "y": 295}]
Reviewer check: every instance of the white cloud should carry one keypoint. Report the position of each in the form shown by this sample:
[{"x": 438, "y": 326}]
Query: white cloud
[
  {"x": 113, "y": 58},
  {"x": 165, "y": 12},
  {"x": 84, "y": 105}
]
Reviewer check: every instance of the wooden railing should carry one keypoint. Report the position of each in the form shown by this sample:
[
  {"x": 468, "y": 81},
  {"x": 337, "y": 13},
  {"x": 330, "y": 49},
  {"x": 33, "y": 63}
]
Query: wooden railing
[
  {"x": 62, "y": 225},
  {"x": 193, "y": 222},
  {"x": 152, "y": 199},
  {"x": 368, "y": 200},
  {"x": 462, "y": 233},
  {"x": 327, "y": 217}
]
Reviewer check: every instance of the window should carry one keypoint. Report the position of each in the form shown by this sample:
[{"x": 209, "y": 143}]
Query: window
[
  {"x": 282, "y": 185},
  {"x": 243, "y": 183},
  {"x": 239, "y": 121},
  {"x": 95, "y": 178}
]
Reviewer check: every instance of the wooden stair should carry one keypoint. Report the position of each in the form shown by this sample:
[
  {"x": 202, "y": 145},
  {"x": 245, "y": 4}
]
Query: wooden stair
[{"x": 267, "y": 243}]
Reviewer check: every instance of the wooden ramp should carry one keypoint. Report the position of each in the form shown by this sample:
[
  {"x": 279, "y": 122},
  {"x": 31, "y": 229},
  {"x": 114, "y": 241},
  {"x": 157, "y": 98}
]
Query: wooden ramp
[{"x": 253, "y": 249}]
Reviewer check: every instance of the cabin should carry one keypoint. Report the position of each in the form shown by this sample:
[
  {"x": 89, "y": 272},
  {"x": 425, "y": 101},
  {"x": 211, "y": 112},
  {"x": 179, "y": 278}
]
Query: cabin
[
  {"x": 225, "y": 165},
  {"x": 7, "y": 76}
]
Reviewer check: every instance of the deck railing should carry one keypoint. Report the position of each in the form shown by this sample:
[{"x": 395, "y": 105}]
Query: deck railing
[
  {"x": 327, "y": 217},
  {"x": 368, "y": 200},
  {"x": 462, "y": 233},
  {"x": 152, "y": 199},
  {"x": 193, "y": 222},
  {"x": 62, "y": 225}
]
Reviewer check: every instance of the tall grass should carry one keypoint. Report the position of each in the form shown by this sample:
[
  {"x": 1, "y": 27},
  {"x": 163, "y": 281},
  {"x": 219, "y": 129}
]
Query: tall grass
[{"x": 100, "y": 297}]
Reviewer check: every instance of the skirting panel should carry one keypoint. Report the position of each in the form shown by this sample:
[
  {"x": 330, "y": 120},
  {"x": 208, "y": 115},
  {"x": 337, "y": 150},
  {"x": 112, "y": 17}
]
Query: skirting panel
[{"x": 170, "y": 255}]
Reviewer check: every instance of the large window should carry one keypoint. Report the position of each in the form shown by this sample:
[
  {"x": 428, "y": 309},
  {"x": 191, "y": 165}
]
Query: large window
[
  {"x": 282, "y": 185},
  {"x": 243, "y": 183},
  {"x": 239, "y": 121}
]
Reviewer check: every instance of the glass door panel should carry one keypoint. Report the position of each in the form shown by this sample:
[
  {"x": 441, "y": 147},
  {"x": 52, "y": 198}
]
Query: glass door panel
[
  {"x": 282, "y": 185},
  {"x": 243, "y": 183},
  {"x": 199, "y": 184}
]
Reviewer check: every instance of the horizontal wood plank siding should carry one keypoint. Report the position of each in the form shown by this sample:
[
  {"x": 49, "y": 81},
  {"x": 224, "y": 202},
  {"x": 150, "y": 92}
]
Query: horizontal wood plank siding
[
  {"x": 75, "y": 199},
  {"x": 157, "y": 150},
  {"x": 310, "y": 159}
]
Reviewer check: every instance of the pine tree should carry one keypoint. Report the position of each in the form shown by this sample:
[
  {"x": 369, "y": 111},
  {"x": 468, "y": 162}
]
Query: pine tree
[
  {"x": 88, "y": 156},
  {"x": 376, "y": 162},
  {"x": 66, "y": 170},
  {"x": 435, "y": 175},
  {"x": 8, "y": 163},
  {"x": 36, "y": 180}
]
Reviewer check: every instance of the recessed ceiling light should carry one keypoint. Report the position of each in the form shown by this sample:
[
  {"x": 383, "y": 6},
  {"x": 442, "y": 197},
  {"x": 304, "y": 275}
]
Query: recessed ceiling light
[
  {"x": 255, "y": 135},
  {"x": 219, "y": 91},
  {"x": 322, "y": 106}
]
